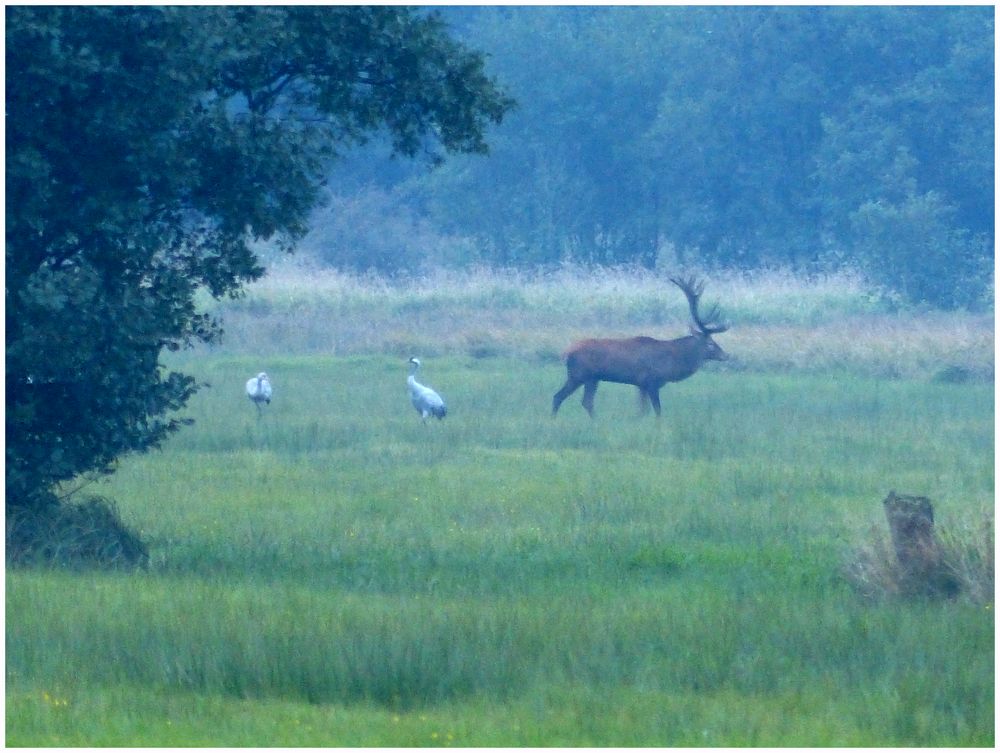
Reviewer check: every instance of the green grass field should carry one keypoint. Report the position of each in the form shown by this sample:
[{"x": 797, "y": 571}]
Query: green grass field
[{"x": 339, "y": 574}]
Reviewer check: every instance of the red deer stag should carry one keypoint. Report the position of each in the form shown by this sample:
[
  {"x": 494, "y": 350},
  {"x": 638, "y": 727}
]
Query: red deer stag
[{"x": 643, "y": 361}]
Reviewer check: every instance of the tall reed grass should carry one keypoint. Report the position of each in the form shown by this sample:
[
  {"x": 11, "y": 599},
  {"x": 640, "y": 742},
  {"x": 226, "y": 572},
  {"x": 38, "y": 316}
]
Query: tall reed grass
[{"x": 780, "y": 321}]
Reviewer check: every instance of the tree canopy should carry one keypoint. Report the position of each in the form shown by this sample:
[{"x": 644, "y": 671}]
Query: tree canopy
[
  {"x": 147, "y": 149},
  {"x": 723, "y": 136}
]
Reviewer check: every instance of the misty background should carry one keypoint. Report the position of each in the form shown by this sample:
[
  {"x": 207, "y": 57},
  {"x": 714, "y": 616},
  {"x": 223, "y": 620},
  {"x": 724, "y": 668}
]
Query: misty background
[{"x": 811, "y": 139}]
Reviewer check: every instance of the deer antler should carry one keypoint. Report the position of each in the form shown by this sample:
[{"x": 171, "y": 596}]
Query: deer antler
[{"x": 692, "y": 290}]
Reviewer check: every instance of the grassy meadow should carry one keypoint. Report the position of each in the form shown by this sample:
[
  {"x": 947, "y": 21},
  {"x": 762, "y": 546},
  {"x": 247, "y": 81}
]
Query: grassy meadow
[{"x": 336, "y": 573}]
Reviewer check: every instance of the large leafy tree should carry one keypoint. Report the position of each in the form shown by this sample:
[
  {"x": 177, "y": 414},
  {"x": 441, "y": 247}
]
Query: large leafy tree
[{"x": 147, "y": 148}]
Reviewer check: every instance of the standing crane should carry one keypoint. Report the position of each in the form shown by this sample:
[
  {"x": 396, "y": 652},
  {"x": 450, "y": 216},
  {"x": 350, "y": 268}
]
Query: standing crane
[
  {"x": 259, "y": 391},
  {"x": 425, "y": 400}
]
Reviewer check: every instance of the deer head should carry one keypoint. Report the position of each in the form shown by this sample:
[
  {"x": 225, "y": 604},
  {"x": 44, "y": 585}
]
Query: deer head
[{"x": 704, "y": 326}]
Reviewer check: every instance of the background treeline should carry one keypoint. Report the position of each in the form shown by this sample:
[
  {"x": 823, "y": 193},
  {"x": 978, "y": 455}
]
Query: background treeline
[{"x": 810, "y": 138}]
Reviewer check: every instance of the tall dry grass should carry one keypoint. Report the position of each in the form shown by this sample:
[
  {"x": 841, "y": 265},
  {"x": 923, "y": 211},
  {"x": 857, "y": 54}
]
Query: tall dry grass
[
  {"x": 780, "y": 321},
  {"x": 966, "y": 548}
]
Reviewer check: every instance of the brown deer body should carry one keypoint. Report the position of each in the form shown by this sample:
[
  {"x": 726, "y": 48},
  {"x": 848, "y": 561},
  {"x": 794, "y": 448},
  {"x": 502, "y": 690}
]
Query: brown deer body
[{"x": 646, "y": 362}]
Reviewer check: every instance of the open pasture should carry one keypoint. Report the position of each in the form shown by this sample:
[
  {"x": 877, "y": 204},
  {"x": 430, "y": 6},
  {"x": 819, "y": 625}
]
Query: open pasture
[{"x": 337, "y": 573}]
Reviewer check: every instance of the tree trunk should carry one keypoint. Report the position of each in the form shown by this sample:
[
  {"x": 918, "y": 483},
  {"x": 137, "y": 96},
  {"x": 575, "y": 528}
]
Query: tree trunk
[{"x": 911, "y": 523}]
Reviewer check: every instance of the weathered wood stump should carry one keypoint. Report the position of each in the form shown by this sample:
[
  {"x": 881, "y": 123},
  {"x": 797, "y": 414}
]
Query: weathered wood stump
[{"x": 911, "y": 524}]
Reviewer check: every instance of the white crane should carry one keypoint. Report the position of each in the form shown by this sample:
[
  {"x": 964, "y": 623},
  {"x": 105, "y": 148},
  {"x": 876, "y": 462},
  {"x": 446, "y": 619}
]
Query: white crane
[
  {"x": 259, "y": 390},
  {"x": 425, "y": 400}
]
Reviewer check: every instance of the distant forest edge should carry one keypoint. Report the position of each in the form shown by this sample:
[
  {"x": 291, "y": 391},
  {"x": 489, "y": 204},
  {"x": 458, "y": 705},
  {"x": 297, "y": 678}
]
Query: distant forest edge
[{"x": 815, "y": 139}]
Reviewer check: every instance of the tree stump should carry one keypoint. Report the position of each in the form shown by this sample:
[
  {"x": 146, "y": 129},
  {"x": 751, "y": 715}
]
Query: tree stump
[{"x": 911, "y": 524}]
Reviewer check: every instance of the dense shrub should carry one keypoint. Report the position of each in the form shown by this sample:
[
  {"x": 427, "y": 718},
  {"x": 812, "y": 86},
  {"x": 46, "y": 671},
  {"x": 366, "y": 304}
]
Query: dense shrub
[
  {"x": 377, "y": 231},
  {"x": 916, "y": 249},
  {"x": 86, "y": 534}
]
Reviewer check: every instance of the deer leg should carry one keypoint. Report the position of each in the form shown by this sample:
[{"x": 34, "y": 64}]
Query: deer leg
[
  {"x": 589, "y": 390},
  {"x": 568, "y": 389},
  {"x": 654, "y": 399},
  {"x": 643, "y": 402}
]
